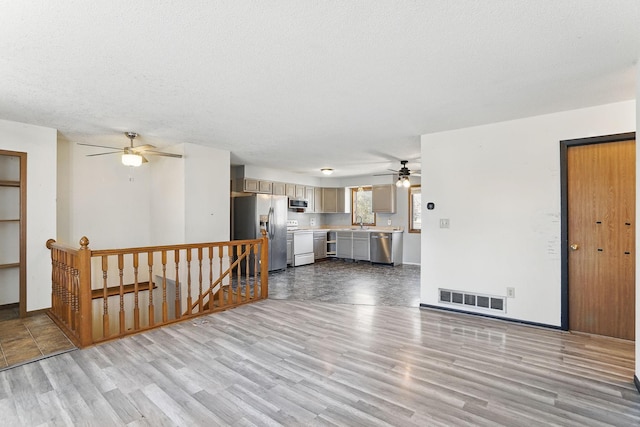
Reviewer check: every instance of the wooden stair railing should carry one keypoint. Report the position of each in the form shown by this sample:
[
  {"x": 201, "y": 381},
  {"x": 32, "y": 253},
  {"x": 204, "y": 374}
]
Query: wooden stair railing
[{"x": 98, "y": 295}]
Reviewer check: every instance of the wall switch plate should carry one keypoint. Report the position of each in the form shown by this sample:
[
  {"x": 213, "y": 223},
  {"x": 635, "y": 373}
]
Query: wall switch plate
[
  {"x": 312, "y": 222},
  {"x": 444, "y": 222},
  {"x": 388, "y": 222},
  {"x": 511, "y": 292}
]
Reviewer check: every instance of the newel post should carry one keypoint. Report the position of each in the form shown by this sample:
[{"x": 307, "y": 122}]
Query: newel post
[
  {"x": 84, "y": 300},
  {"x": 264, "y": 266}
]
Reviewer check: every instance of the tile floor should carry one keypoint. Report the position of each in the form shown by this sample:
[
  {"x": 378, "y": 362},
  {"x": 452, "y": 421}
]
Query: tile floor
[
  {"x": 28, "y": 339},
  {"x": 348, "y": 282}
]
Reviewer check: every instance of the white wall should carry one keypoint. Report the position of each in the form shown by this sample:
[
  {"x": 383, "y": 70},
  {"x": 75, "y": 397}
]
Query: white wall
[
  {"x": 40, "y": 145},
  {"x": 207, "y": 194},
  {"x": 102, "y": 199},
  {"x": 499, "y": 185}
]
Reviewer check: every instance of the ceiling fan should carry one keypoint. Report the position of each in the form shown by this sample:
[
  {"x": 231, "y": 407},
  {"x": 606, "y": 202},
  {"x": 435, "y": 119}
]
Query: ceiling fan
[
  {"x": 403, "y": 174},
  {"x": 132, "y": 156}
]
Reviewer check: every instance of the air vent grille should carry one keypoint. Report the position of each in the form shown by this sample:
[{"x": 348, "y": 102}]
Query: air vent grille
[{"x": 471, "y": 299}]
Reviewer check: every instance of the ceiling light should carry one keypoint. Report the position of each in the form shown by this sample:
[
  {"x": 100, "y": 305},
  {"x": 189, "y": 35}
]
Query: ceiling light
[
  {"x": 403, "y": 181},
  {"x": 326, "y": 171},
  {"x": 129, "y": 159}
]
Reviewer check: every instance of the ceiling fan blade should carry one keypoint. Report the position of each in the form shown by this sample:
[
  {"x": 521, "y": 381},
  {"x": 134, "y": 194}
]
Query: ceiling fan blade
[
  {"x": 144, "y": 159},
  {"x": 160, "y": 153},
  {"x": 393, "y": 170},
  {"x": 102, "y": 154},
  {"x": 144, "y": 147},
  {"x": 385, "y": 174},
  {"x": 99, "y": 146}
]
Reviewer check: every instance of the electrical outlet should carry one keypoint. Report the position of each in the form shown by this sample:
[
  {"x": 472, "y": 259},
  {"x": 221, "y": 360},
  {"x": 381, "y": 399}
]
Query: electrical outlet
[
  {"x": 312, "y": 222},
  {"x": 511, "y": 292},
  {"x": 388, "y": 222},
  {"x": 444, "y": 222}
]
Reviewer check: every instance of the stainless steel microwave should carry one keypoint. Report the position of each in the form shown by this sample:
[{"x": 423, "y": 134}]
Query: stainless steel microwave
[{"x": 298, "y": 204}]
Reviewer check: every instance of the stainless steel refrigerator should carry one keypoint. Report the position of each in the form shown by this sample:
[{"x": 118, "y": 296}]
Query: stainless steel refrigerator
[{"x": 251, "y": 213}]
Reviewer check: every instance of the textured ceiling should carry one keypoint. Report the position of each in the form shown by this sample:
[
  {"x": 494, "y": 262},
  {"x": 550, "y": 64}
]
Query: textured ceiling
[{"x": 300, "y": 85}]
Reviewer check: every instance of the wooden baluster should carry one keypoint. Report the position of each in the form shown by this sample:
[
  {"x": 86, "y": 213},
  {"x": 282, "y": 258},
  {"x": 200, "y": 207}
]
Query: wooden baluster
[
  {"x": 76, "y": 295},
  {"x": 254, "y": 281},
  {"x": 136, "y": 307},
  {"x": 230, "y": 287},
  {"x": 211, "y": 294},
  {"x": 247, "y": 276},
  {"x": 65, "y": 289},
  {"x": 165, "y": 313},
  {"x": 121, "y": 274},
  {"x": 200, "y": 296},
  {"x": 178, "y": 305},
  {"x": 85, "y": 332},
  {"x": 105, "y": 298},
  {"x": 221, "y": 288},
  {"x": 151, "y": 307},
  {"x": 189, "y": 299},
  {"x": 264, "y": 267}
]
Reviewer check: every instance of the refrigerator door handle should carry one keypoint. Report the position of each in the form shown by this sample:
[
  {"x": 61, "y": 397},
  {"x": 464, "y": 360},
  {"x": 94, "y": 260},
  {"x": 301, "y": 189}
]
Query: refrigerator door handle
[{"x": 270, "y": 229}]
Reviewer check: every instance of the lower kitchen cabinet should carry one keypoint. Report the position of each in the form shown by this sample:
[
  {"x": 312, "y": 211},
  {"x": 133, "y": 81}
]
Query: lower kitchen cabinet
[
  {"x": 289, "y": 248},
  {"x": 331, "y": 244},
  {"x": 344, "y": 244},
  {"x": 319, "y": 245},
  {"x": 361, "y": 246}
]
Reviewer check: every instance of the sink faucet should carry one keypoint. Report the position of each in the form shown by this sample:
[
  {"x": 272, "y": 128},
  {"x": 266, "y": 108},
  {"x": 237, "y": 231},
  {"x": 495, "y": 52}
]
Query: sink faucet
[{"x": 361, "y": 222}]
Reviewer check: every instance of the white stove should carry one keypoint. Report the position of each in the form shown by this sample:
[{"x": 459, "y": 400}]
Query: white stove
[{"x": 302, "y": 244}]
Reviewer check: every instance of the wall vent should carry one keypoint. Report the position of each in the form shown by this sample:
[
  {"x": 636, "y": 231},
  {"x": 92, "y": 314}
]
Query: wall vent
[{"x": 470, "y": 299}]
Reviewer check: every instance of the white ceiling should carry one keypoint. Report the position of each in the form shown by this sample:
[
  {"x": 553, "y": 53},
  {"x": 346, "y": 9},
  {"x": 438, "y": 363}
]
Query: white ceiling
[{"x": 299, "y": 85}]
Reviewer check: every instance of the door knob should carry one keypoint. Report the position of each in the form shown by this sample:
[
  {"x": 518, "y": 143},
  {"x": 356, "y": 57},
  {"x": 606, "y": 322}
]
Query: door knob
[{"x": 574, "y": 247}]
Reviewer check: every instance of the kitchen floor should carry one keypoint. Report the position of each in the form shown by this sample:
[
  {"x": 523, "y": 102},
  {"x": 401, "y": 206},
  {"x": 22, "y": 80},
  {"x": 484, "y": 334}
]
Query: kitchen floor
[
  {"x": 348, "y": 282},
  {"x": 29, "y": 339}
]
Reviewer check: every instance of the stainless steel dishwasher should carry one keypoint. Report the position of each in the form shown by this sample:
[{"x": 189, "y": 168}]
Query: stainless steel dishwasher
[{"x": 386, "y": 247}]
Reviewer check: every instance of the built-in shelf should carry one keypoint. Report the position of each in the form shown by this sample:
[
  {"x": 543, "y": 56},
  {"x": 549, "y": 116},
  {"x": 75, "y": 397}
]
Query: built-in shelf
[
  {"x": 13, "y": 229},
  {"x": 12, "y": 265}
]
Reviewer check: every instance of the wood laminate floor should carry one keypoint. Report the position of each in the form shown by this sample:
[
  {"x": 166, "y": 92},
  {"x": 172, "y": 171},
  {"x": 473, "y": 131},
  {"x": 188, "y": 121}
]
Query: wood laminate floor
[{"x": 286, "y": 362}]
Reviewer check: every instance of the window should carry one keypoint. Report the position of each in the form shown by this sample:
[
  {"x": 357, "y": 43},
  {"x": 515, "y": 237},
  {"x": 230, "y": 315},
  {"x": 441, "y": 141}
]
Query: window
[
  {"x": 361, "y": 206},
  {"x": 415, "y": 209}
]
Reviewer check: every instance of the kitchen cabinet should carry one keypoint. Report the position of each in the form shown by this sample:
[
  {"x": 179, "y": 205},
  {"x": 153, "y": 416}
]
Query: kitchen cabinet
[
  {"x": 344, "y": 244},
  {"x": 300, "y": 191},
  {"x": 317, "y": 200},
  {"x": 289, "y": 248},
  {"x": 290, "y": 190},
  {"x": 13, "y": 194},
  {"x": 360, "y": 242},
  {"x": 331, "y": 244},
  {"x": 319, "y": 245},
  {"x": 384, "y": 198},
  {"x": 257, "y": 186},
  {"x": 278, "y": 189},
  {"x": 333, "y": 200},
  {"x": 309, "y": 195}
]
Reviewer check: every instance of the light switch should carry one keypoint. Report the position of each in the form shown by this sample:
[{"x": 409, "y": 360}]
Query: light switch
[{"x": 444, "y": 222}]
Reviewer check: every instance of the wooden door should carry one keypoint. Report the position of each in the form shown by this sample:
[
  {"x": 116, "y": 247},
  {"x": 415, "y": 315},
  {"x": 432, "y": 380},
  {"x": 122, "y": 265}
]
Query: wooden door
[{"x": 601, "y": 236}]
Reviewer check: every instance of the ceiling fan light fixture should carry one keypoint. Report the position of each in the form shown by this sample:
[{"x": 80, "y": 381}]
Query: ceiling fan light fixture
[
  {"x": 326, "y": 171},
  {"x": 403, "y": 181},
  {"x": 130, "y": 159}
]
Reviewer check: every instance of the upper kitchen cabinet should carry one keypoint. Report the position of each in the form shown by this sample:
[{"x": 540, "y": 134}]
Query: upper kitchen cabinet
[
  {"x": 279, "y": 189},
  {"x": 257, "y": 186},
  {"x": 300, "y": 191},
  {"x": 290, "y": 191},
  {"x": 384, "y": 198},
  {"x": 309, "y": 194},
  {"x": 317, "y": 200},
  {"x": 333, "y": 200}
]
